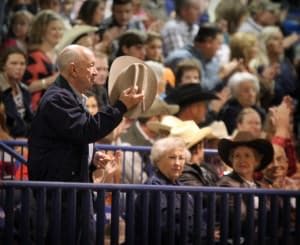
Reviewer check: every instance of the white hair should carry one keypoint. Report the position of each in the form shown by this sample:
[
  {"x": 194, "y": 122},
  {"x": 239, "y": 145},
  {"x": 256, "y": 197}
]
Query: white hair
[
  {"x": 239, "y": 77},
  {"x": 162, "y": 146}
]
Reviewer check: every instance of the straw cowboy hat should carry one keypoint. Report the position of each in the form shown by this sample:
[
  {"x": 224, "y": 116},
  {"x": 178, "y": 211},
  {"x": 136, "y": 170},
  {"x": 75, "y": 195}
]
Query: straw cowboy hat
[
  {"x": 159, "y": 107},
  {"x": 165, "y": 125},
  {"x": 219, "y": 130},
  {"x": 243, "y": 138},
  {"x": 190, "y": 132},
  {"x": 128, "y": 71},
  {"x": 72, "y": 35}
]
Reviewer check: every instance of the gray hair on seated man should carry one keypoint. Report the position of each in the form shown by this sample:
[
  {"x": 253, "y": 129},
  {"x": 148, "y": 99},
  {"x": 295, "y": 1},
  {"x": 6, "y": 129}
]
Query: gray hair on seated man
[{"x": 164, "y": 145}]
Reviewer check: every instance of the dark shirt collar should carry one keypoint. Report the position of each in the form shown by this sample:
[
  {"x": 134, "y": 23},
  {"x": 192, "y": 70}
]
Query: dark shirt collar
[
  {"x": 164, "y": 179},
  {"x": 63, "y": 83}
]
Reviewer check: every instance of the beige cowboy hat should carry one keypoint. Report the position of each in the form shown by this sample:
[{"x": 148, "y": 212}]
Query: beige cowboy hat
[
  {"x": 128, "y": 71},
  {"x": 219, "y": 130},
  {"x": 72, "y": 35},
  {"x": 190, "y": 132},
  {"x": 159, "y": 107},
  {"x": 165, "y": 124}
]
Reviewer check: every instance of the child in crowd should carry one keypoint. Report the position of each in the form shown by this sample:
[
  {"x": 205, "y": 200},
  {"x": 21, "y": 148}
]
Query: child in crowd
[{"x": 188, "y": 71}]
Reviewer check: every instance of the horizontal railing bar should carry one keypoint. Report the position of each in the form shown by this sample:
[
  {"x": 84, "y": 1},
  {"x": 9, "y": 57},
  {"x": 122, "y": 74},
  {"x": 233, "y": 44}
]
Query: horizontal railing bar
[
  {"x": 140, "y": 187},
  {"x": 103, "y": 146}
]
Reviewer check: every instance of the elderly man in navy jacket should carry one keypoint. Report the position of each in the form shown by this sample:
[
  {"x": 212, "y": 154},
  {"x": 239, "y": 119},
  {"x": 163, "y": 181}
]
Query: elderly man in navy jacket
[{"x": 62, "y": 129}]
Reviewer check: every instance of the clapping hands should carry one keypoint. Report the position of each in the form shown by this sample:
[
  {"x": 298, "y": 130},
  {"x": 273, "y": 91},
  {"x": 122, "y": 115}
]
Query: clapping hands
[{"x": 108, "y": 167}]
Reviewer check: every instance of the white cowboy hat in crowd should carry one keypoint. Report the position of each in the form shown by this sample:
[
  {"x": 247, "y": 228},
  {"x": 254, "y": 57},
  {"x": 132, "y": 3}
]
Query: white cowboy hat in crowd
[
  {"x": 165, "y": 125},
  {"x": 190, "y": 132}
]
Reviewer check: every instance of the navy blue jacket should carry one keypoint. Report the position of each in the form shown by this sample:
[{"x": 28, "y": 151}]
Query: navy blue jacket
[{"x": 61, "y": 131}]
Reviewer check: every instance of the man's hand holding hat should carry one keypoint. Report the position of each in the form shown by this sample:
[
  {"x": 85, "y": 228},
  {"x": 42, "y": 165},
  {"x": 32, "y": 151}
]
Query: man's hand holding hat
[{"x": 131, "y": 98}]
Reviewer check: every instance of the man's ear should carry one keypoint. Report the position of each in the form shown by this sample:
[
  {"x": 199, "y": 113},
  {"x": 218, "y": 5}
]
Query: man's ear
[{"x": 72, "y": 69}]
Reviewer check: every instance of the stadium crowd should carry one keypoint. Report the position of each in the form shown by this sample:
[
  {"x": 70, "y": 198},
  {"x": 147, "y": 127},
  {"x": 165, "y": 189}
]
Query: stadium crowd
[{"x": 224, "y": 74}]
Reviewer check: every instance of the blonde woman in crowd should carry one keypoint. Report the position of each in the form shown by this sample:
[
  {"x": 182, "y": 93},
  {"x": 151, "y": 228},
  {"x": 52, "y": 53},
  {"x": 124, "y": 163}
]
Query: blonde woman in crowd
[
  {"x": 46, "y": 31},
  {"x": 244, "y": 47}
]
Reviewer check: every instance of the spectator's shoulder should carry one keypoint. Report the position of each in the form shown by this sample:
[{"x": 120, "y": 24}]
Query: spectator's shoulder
[{"x": 56, "y": 95}]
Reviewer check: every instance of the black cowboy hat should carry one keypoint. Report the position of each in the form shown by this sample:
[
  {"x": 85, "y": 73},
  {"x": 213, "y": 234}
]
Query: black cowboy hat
[
  {"x": 243, "y": 138},
  {"x": 188, "y": 94}
]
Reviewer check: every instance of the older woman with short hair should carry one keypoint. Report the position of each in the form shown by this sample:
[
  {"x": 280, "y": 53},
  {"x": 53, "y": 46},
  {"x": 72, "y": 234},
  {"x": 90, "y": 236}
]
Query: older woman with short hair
[
  {"x": 244, "y": 88},
  {"x": 168, "y": 156},
  {"x": 45, "y": 33}
]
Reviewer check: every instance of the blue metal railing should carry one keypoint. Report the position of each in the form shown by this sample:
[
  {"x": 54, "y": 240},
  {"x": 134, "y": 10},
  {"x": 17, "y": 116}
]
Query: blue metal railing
[
  {"x": 277, "y": 222},
  {"x": 135, "y": 163}
]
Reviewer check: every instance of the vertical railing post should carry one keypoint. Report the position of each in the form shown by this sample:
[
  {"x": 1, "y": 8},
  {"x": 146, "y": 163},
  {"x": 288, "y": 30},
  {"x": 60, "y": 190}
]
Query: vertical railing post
[
  {"x": 198, "y": 217},
  {"x": 224, "y": 218},
  {"x": 115, "y": 216},
  {"x": 25, "y": 208},
  {"x": 286, "y": 219},
  {"x": 183, "y": 217},
  {"x": 55, "y": 225},
  {"x": 211, "y": 216},
  {"x": 72, "y": 215},
  {"x": 130, "y": 217},
  {"x": 237, "y": 219},
  {"x": 249, "y": 235},
  {"x": 171, "y": 217},
  {"x": 100, "y": 222},
  {"x": 273, "y": 231},
  {"x": 41, "y": 216},
  {"x": 9, "y": 215},
  {"x": 156, "y": 208},
  {"x": 262, "y": 220}
]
